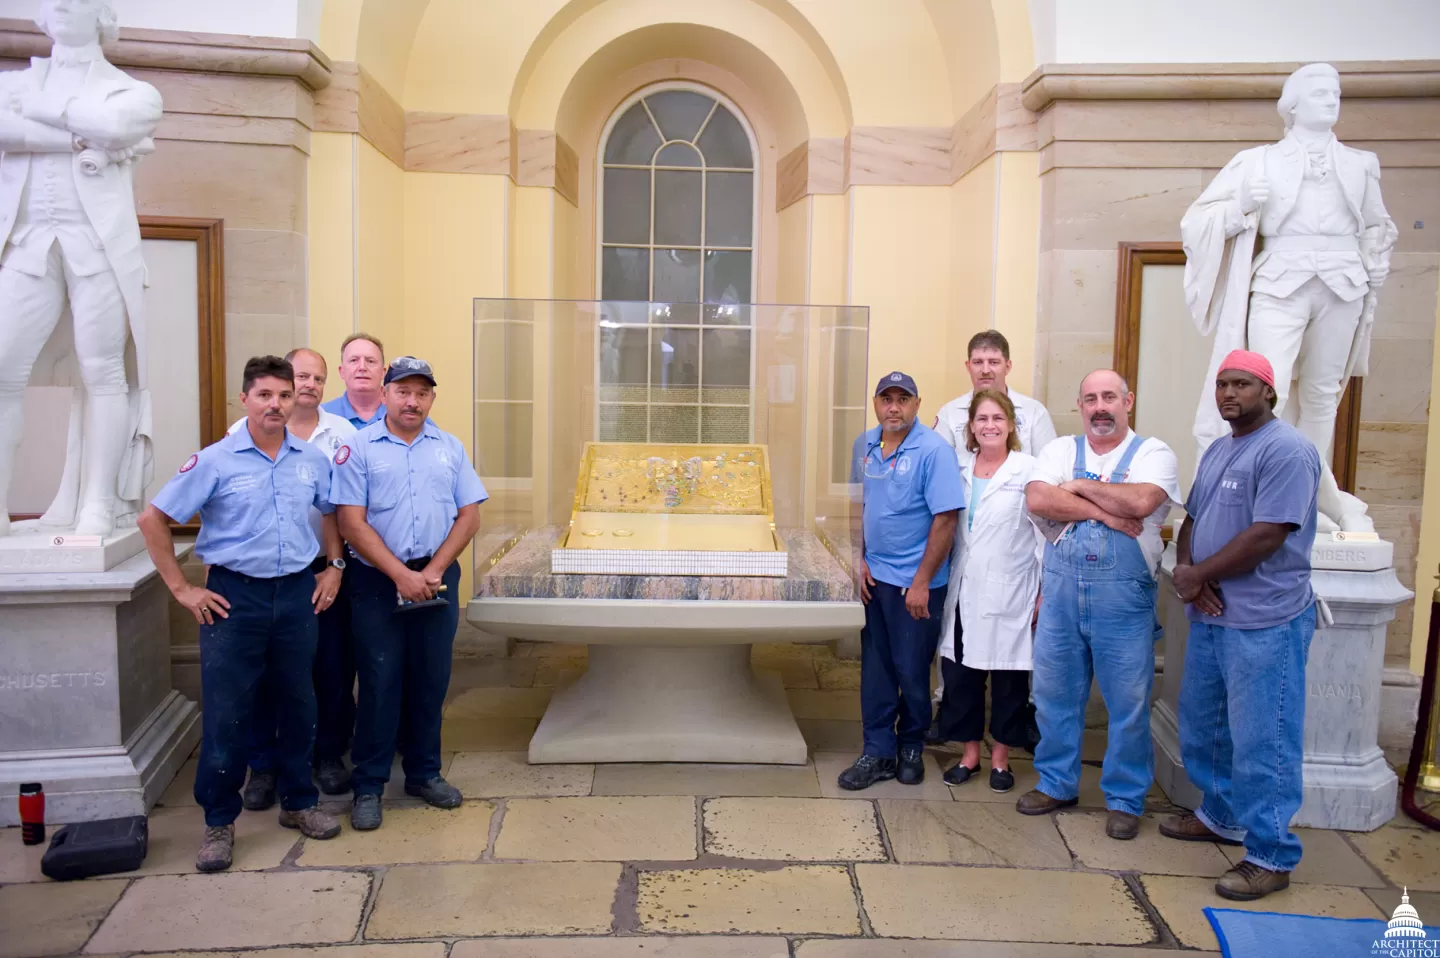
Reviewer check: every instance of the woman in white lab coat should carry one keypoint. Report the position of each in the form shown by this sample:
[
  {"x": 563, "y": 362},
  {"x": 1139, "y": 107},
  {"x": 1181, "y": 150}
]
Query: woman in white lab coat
[{"x": 990, "y": 603}]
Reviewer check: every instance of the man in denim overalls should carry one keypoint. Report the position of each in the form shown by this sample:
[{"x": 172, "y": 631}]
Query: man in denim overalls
[{"x": 1106, "y": 495}]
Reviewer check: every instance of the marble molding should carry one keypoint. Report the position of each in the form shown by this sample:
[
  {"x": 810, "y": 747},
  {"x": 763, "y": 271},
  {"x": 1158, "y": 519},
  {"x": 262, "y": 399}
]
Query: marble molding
[
  {"x": 195, "y": 52},
  {"x": 29, "y": 554},
  {"x": 86, "y": 704},
  {"x": 544, "y": 158},
  {"x": 458, "y": 143},
  {"x": 1216, "y": 81},
  {"x": 1348, "y": 784}
]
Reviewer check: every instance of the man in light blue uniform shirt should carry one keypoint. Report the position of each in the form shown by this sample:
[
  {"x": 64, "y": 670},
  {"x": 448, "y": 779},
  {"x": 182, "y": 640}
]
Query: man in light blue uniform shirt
[
  {"x": 362, "y": 364},
  {"x": 254, "y": 490},
  {"x": 408, "y": 501},
  {"x": 913, "y": 494}
]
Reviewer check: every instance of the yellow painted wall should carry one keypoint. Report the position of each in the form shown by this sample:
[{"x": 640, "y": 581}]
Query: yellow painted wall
[
  {"x": 830, "y": 250},
  {"x": 332, "y": 247},
  {"x": 1017, "y": 261},
  {"x": 901, "y": 266},
  {"x": 972, "y": 267},
  {"x": 380, "y": 263},
  {"x": 1428, "y": 559}
]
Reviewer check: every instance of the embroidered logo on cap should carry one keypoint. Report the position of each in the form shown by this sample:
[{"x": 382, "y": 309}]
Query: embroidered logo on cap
[
  {"x": 896, "y": 377},
  {"x": 190, "y": 463},
  {"x": 342, "y": 456}
]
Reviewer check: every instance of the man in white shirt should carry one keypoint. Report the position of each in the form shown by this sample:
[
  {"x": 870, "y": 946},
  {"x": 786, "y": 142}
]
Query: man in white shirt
[
  {"x": 989, "y": 365},
  {"x": 335, "y": 651},
  {"x": 1101, "y": 498}
]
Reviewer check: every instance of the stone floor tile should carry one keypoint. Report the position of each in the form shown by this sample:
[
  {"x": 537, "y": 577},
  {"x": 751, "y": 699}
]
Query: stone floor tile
[
  {"x": 838, "y": 674},
  {"x": 766, "y": 654},
  {"x": 413, "y": 949},
  {"x": 795, "y": 899},
  {"x": 682, "y": 778},
  {"x": 830, "y": 736},
  {"x": 234, "y": 910},
  {"x": 181, "y": 791},
  {"x": 1148, "y": 852},
  {"x": 972, "y": 834},
  {"x": 557, "y": 673},
  {"x": 829, "y": 765},
  {"x": 882, "y": 948},
  {"x": 409, "y": 835},
  {"x": 432, "y": 901},
  {"x": 510, "y": 774},
  {"x": 829, "y": 704},
  {"x": 598, "y": 829},
  {"x": 53, "y": 918},
  {"x": 1092, "y": 745},
  {"x": 919, "y": 901},
  {"x": 394, "y": 786},
  {"x": 646, "y": 947},
  {"x": 552, "y": 650},
  {"x": 1406, "y": 856},
  {"x": 1401, "y": 820},
  {"x": 487, "y": 734},
  {"x": 1181, "y": 903},
  {"x": 20, "y": 862},
  {"x": 1328, "y": 860},
  {"x": 489, "y": 672},
  {"x": 1427, "y": 903},
  {"x": 501, "y": 703},
  {"x": 175, "y": 835},
  {"x": 793, "y": 829}
]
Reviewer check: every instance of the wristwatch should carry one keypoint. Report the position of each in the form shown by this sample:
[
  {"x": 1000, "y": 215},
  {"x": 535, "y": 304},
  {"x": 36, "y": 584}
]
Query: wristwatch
[{"x": 337, "y": 564}]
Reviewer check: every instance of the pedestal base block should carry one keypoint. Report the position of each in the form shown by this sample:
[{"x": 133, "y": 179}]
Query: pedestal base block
[
  {"x": 86, "y": 704},
  {"x": 33, "y": 550},
  {"x": 639, "y": 703},
  {"x": 1348, "y": 784}
]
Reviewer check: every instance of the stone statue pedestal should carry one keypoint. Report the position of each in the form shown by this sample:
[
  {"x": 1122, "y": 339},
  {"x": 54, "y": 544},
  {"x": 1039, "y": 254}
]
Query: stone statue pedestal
[
  {"x": 86, "y": 703},
  {"x": 1348, "y": 784},
  {"x": 29, "y": 550}
]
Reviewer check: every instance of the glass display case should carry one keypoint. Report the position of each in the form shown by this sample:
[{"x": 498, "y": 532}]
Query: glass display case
[{"x": 668, "y": 439}]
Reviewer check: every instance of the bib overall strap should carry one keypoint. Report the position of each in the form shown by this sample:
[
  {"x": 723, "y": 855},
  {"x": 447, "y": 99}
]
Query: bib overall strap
[
  {"x": 1122, "y": 469},
  {"x": 1079, "y": 457}
]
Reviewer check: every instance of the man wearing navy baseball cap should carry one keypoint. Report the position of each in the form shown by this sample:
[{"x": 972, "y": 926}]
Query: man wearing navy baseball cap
[{"x": 912, "y": 497}]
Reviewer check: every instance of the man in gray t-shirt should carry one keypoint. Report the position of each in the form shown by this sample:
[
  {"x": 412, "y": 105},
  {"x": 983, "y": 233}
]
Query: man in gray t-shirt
[{"x": 1243, "y": 568}]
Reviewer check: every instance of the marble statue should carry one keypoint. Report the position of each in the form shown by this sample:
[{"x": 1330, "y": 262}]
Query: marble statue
[
  {"x": 1285, "y": 251},
  {"x": 72, "y": 278}
]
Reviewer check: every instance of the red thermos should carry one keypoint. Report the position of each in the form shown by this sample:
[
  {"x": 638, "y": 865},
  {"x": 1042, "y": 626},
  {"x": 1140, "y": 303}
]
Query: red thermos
[{"x": 32, "y": 813}]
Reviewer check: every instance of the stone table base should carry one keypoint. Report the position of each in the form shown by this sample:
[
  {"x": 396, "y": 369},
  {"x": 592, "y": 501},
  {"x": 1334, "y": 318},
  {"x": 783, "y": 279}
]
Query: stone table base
[
  {"x": 1348, "y": 784},
  {"x": 642, "y": 703},
  {"x": 669, "y": 678}
]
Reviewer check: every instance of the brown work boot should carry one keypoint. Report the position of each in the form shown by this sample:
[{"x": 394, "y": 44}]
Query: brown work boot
[
  {"x": 217, "y": 850},
  {"x": 311, "y": 822},
  {"x": 1122, "y": 826},
  {"x": 1247, "y": 881},
  {"x": 1036, "y": 802},
  {"x": 1189, "y": 828}
]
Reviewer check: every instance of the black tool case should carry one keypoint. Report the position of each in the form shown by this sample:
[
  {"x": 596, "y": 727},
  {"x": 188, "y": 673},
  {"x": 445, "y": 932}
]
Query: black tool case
[{"x": 86, "y": 849}]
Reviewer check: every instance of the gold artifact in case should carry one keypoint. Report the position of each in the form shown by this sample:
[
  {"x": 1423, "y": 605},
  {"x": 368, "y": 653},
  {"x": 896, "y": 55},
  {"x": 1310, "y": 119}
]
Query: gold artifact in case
[{"x": 672, "y": 509}]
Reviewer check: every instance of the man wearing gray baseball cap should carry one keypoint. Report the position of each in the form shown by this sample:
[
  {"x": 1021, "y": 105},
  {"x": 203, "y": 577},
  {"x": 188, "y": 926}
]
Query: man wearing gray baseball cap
[{"x": 912, "y": 497}]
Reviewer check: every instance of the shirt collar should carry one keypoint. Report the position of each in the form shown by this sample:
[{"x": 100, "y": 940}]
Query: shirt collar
[
  {"x": 875, "y": 434},
  {"x": 1325, "y": 144},
  {"x": 242, "y": 440},
  {"x": 63, "y": 56},
  {"x": 428, "y": 431},
  {"x": 350, "y": 412}
]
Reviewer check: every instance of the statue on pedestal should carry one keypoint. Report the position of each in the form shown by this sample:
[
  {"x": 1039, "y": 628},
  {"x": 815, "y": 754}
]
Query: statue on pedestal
[
  {"x": 72, "y": 278},
  {"x": 1285, "y": 251}
]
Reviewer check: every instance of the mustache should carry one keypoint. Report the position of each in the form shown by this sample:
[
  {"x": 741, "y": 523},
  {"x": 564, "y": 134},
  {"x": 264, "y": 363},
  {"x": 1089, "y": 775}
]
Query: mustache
[{"x": 1102, "y": 416}]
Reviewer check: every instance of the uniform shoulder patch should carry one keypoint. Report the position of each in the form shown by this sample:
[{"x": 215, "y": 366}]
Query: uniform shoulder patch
[
  {"x": 191, "y": 463},
  {"x": 342, "y": 455}
]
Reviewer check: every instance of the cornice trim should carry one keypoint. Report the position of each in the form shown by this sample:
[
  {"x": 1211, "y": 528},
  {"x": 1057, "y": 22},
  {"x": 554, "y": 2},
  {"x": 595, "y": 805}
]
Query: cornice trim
[
  {"x": 1218, "y": 81},
  {"x": 194, "y": 52}
]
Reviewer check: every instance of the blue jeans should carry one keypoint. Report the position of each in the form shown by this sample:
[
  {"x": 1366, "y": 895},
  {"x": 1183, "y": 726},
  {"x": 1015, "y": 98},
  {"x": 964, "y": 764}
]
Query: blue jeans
[
  {"x": 896, "y": 650},
  {"x": 334, "y": 688},
  {"x": 1097, "y": 617},
  {"x": 403, "y": 662},
  {"x": 1242, "y": 732},
  {"x": 271, "y": 630}
]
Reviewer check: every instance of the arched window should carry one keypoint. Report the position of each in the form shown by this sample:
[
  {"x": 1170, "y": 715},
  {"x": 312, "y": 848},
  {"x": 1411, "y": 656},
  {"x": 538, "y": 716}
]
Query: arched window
[{"x": 677, "y": 229}]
